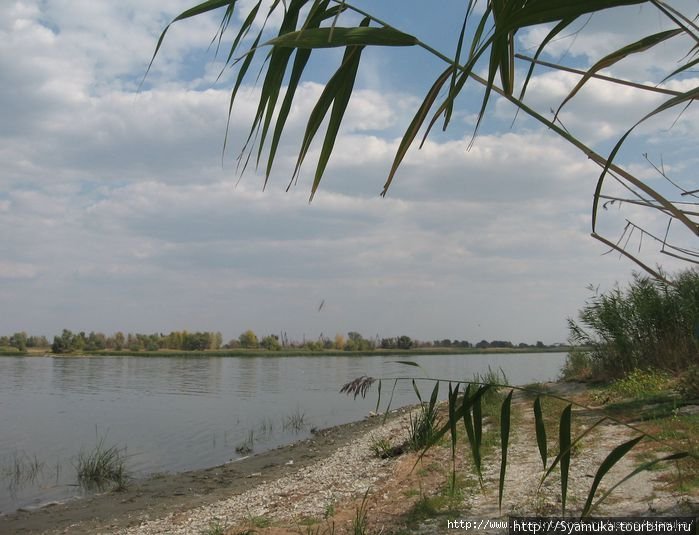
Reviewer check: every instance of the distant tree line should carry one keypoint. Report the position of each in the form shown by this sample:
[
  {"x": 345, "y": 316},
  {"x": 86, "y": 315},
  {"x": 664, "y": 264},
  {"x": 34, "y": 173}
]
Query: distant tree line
[
  {"x": 70, "y": 342},
  {"x": 21, "y": 341}
]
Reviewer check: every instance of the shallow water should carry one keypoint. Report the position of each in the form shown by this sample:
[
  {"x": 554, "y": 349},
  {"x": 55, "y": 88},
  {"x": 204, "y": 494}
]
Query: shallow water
[{"x": 179, "y": 413}]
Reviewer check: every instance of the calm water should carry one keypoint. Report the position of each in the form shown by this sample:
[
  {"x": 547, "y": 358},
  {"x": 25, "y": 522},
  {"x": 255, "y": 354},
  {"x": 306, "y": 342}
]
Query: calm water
[{"x": 173, "y": 414}]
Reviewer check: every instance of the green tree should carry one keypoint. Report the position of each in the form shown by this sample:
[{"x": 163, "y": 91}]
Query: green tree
[
  {"x": 487, "y": 42},
  {"x": 271, "y": 343},
  {"x": 248, "y": 339},
  {"x": 404, "y": 342},
  {"x": 119, "y": 341},
  {"x": 19, "y": 340},
  {"x": 65, "y": 343}
]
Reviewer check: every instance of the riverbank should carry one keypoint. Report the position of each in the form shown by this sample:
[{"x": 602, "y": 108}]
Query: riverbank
[
  {"x": 292, "y": 352},
  {"x": 318, "y": 486}
]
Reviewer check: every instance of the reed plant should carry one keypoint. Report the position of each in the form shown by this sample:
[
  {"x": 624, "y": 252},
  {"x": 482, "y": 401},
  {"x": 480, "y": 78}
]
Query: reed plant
[
  {"x": 102, "y": 466},
  {"x": 467, "y": 408},
  {"x": 652, "y": 324}
]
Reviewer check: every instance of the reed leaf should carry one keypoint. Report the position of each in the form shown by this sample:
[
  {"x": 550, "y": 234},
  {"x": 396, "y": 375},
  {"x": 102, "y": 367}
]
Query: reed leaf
[
  {"x": 390, "y": 400},
  {"x": 468, "y": 425},
  {"x": 407, "y": 363},
  {"x": 417, "y": 391},
  {"x": 642, "y": 467},
  {"x": 562, "y": 25},
  {"x": 319, "y": 13},
  {"x": 504, "y": 443},
  {"x": 564, "y": 455},
  {"x": 540, "y": 428},
  {"x": 684, "y": 98},
  {"x": 614, "y": 456},
  {"x": 340, "y": 102},
  {"x": 199, "y": 9},
  {"x": 634, "y": 48},
  {"x": 415, "y": 125},
  {"x": 453, "y": 395},
  {"x": 433, "y": 397},
  {"x": 339, "y": 37},
  {"x": 457, "y": 58},
  {"x": 474, "y": 437}
]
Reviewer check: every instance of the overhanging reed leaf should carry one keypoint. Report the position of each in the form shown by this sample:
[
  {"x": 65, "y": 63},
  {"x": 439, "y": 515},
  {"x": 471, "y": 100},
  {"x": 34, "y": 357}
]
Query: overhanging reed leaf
[
  {"x": 468, "y": 424},
  {"x": 457, "y": 58},
  {"x": 244, "y": 29},
  {"x": 390, "y": 400},
  {"x": 453, "y": 395},
  {"x": 336, "y": 94},
  {"x": 274, "y": 78},
  {"x": 476, "y": 428},
  {"x": 561, "y": 452},
  {"x": 614, "y": 456},
  {"x": 504, "y": 442},
  {"x": 683, "y": 68},
  {"x": 540, "y": 430},
  {"x": 634, "y": 48},
  {"x": 378, "y": 398},
  {"x": 417, "y": 391},
  {"x": 433, "y": 397},
  {"x": 337, "y": 37},
  {"x": 318, "y": 13},
  {"x": 478, "y": 419},
  {"x": 645, "y": 466},
  {"x": 564, "y": 445},
  {"x": 553, "y": 33},
  {"x": 407, "y": 363},
  {"x": 204, "y": 7},
  {"x": 686, "y": 97},
  {"x": 415, "y": 125}
]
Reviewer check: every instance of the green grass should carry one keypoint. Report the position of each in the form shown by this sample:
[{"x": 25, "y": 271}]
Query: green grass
[
  {"x": 215, "y": 528},
  {"x": 101, "y": 467},
  {"x": 246, "y": 447},
  {"x": 260, "y": 522},
  {"x": 359, "y": 522},
  {"x": 21, "y": 470},
  {"x": 295, "y": 422}
]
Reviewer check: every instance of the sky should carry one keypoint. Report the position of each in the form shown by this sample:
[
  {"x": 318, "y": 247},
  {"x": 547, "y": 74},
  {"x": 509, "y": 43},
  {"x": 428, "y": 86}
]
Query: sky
[{"x": 120, "y": 212}]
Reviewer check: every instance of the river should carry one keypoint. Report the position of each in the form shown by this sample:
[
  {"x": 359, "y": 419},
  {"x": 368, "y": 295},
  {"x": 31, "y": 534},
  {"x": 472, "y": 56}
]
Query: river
[{"x": 171, "y": 414}]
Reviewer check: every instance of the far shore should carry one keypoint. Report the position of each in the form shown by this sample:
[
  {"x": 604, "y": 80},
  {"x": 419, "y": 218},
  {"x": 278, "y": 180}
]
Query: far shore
[{"x": 290, "y": 352}]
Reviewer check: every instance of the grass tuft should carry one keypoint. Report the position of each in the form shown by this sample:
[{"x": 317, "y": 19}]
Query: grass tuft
[
  {"x": 296, "y": 422},
  {"x": 101, "y": 467}
]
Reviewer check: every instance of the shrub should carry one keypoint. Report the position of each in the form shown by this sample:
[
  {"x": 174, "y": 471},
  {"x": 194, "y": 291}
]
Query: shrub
[
  {"x": 578, "y": 366},
  {"x": 689, "y": 383},
  {"x": 651, "y": 324}
]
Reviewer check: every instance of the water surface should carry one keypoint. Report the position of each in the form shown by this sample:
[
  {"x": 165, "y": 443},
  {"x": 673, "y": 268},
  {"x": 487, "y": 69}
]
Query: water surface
[{"x": 181, "y": 413}]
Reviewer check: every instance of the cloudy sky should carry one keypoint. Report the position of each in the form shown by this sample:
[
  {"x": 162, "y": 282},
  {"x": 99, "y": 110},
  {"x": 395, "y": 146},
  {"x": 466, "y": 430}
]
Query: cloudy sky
[{"x": 118, "y": 212}]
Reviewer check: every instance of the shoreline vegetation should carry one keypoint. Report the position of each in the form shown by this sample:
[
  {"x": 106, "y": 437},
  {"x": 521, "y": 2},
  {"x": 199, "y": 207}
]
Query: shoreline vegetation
[
  {"x": 248, "y": 343},
  {"x": 287, "y": 352}
]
